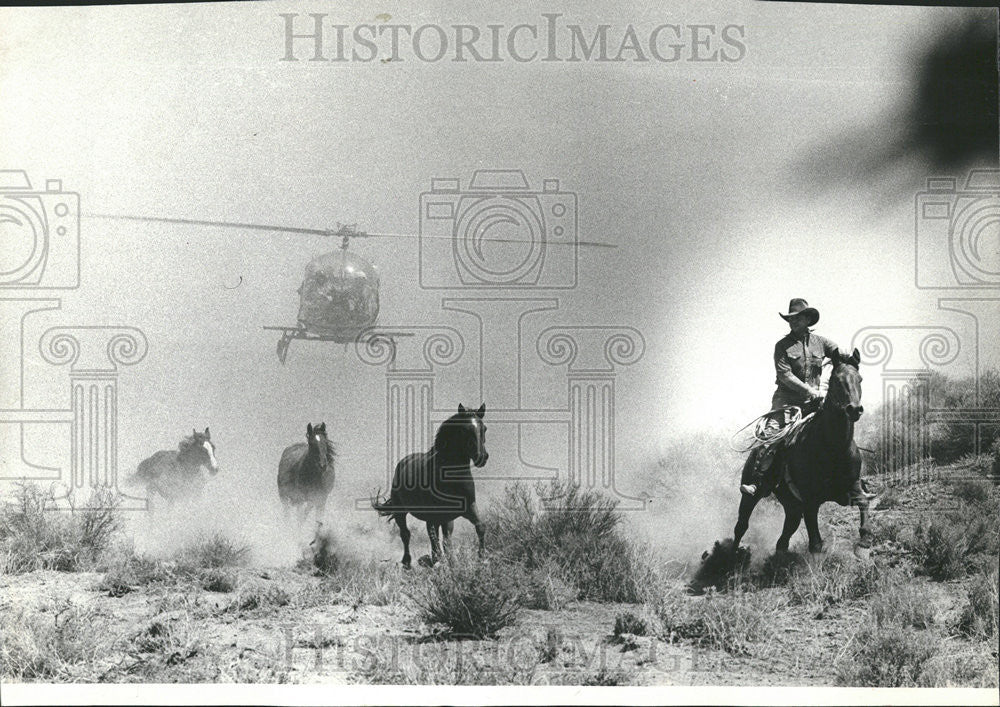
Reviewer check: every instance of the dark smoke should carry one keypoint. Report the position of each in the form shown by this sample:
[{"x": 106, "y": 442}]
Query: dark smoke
[{"x": 949, "y": 122}]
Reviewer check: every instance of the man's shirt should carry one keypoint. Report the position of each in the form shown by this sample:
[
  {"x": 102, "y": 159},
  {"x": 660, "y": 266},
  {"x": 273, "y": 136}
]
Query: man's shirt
[{"x": 798, "y": 363}]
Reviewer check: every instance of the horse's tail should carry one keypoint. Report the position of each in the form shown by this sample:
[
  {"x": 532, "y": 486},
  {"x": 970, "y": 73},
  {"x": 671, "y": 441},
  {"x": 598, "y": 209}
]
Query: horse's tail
[{"x": 383, "y": 508}]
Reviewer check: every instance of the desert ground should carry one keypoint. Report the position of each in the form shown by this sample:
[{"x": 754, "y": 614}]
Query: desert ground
[{"x": 569, "y": 594}]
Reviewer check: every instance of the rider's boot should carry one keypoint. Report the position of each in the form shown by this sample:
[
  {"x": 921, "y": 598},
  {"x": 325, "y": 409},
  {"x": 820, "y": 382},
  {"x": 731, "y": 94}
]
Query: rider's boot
[
  {"x": 761, "y": 484},
  {"x": 751, "y": 473}
]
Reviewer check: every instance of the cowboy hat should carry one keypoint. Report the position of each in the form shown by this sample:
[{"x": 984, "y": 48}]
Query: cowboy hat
[{"x": 799, "y": 306}]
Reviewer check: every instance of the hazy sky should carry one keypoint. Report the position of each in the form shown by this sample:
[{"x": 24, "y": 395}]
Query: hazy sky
[{"x": 693, "y": 169}]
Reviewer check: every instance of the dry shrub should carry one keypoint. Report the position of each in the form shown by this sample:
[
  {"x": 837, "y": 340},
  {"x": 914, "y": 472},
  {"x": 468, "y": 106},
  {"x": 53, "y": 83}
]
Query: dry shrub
[
  {"x": 351, "y": 580},
  {"x": 469, "y": 597},
  {"x": 779, "y": 569},
  {"x": 898, "y": 655},
  {"x": 830, "y": 579},
  {"x": 50, "y": 648},
  {"x": 217, "y": 580},
  {"x": 544, "y": 587},
  {"x": 903, "y": 603},
  {"x": 952, "y": 545},
  {"x": 605, "y": 677},
  {"x": 174, "y": 640},
  {"x": 580, "y": 531},
  {"x": 255, "y": 595},
  {"x": 972, "y": 490},
  {"x": 902, "y": 645},
  {"x": 34, "y": 536},
  {"x": 629, "y": 623},
  {"x": 962, "y": 668},
  {"x": 889, "y": 656},
  {"x": 980, "y": 614},
  {"x": 125, "y": 571},
  {"x": 212, "y": 552},
  {"x": 738, "y": 622}
]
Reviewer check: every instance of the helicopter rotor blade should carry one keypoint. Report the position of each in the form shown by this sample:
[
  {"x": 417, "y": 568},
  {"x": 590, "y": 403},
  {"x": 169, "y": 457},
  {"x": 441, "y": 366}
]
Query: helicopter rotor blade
[
  {"x": 323, "y": 231},
  {"x": 595, "y": 244},
  {"x": 227, "y": 224}
]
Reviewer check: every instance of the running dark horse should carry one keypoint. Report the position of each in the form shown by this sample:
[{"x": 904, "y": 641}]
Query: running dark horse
[
  {"x": 305, "y": 473},
  {"x": 175, "y": 474},
  {"x": 820, "y": 463},
  {"x": 437, "y": 486}
]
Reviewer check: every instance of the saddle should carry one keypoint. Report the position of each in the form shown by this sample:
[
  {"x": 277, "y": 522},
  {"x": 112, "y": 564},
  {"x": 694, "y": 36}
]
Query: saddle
[
  {"x": 795, "y": 429},
  {"x": 769, "y": 442},
  {"x": 785, "y": 432}
]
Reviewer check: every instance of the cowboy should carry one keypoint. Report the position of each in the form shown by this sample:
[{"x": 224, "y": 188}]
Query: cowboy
[{"x": 798, "y": 363}]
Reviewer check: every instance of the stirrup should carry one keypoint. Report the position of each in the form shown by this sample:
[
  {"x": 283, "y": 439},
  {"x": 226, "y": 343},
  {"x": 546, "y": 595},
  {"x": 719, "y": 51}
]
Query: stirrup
[{"x": 749, "y": 489}]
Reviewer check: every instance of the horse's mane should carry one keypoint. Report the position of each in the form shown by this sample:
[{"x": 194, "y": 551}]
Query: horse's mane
[
  {"x": 331, "y": 449},
  {"x": 188, "y": 442},
  {"x": 449, "y": 427}
]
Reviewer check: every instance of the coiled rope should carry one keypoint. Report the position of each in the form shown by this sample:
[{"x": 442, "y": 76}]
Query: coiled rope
[{"x": 762, "y": 435}]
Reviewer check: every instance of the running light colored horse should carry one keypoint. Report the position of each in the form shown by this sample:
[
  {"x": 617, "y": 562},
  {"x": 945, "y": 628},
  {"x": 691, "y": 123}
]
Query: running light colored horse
[{"x": 176, "y": 474}]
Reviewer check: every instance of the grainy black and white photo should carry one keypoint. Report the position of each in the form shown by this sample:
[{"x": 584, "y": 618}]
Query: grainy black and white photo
[{"x": 479, "y": 353}]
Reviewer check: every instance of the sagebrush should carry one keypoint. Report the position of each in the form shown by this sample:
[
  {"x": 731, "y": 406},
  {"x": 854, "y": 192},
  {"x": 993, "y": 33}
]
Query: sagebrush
[
  {"x": 469, "y": 597},
  {"x": 579, "y": 531},
  {"x": 34, "y": 535}
]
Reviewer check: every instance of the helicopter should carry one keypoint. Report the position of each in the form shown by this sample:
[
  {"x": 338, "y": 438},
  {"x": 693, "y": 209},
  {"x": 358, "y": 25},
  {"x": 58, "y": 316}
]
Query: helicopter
[{"x": 339, "y": 293}]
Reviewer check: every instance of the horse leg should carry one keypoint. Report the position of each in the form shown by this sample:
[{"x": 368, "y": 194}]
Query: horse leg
[
  {"x": 404, "y": 535},
  {"x": 446, "y": 530},
  {"x": 154, "y": 490},
  {"x": 793, "y": 516},
  {"x": 432, "y": 533},
  {"x": 812, "y": 527},
  {"x": 747, "y": 504},
  {"x": 863, "y": 548},
  {"x": 472, "y": 515}
]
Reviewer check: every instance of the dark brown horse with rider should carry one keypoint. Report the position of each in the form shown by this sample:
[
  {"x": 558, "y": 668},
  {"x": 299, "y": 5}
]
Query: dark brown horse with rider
[{"x": 818, "y": 462}]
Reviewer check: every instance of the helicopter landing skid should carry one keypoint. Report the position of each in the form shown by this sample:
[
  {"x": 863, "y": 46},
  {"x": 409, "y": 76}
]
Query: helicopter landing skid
[{"x": 339, "y": 336}]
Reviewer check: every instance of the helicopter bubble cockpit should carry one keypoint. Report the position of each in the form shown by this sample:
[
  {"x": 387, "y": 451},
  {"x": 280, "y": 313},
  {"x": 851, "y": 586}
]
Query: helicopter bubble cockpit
[{"x": 339, "y": 295}]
